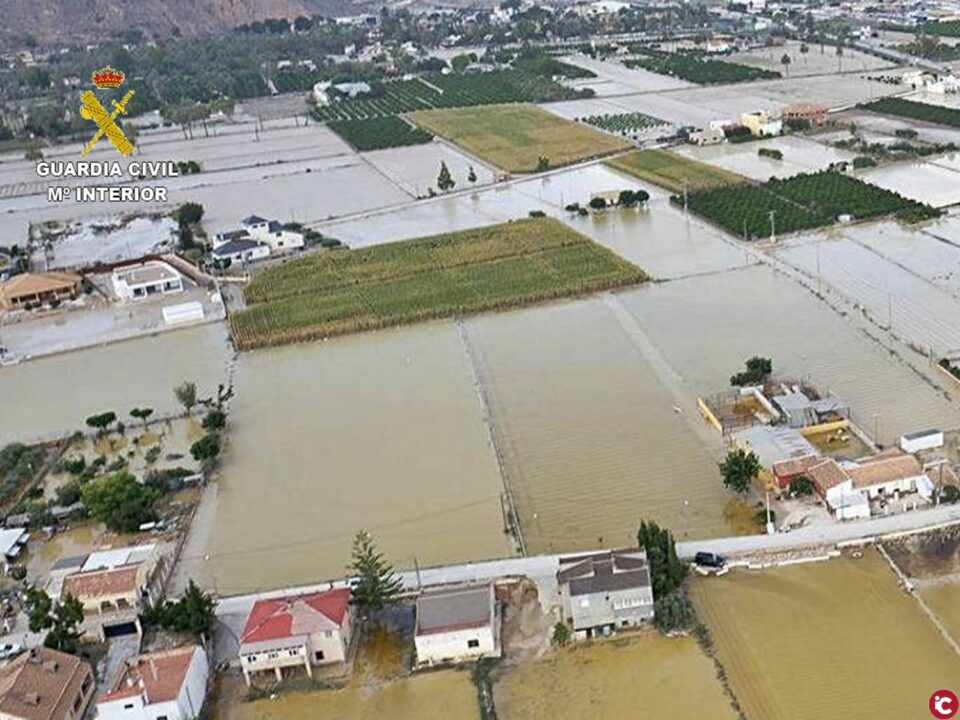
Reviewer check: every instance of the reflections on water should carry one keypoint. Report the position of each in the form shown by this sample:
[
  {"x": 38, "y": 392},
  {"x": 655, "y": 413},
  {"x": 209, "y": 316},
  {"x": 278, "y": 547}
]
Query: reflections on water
[
  {"x": 381, "y": 432},
  {"x": 52, "y": 396}
]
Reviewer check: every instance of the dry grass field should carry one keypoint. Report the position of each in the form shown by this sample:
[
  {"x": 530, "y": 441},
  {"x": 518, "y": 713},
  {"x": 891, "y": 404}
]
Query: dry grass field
[
  {"x": 645, "y": 676},
  {"x": 669, "y": 170},
  {"x": 495, "y": 267},
  {"x": 836, "y": 639},
  {"x": 514, "y": 137}
]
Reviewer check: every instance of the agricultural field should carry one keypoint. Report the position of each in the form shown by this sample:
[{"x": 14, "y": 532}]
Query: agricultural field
[
  {"x": 671, "y": 171},
  {"x": 940, "y": 52},
  {"x": 801, "y": 202},
  {"x": 379, "y": 132},
  {"x": 518, "y": 138},
  {"x": 826, "y": 640},
  {"x": 913, "y": 110},
  {"x": 695, "y": 67},
  {"x": 625, "y": 123},
  {"x": 951, "y": 28},
  {"x": 489, "y": 268},
  {"x": 667, "y": 677},
  {"x": 444, "y": 91}
]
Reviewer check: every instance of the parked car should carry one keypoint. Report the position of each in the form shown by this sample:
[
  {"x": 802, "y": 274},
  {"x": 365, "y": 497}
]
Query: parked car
[
  {"x": 710, "y": 560},
  {"x": 8, "y": 650}
]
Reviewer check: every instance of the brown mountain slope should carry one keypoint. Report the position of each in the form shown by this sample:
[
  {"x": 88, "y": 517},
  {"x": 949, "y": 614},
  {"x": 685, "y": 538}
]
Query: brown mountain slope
[{"x": 58, "y": 22}]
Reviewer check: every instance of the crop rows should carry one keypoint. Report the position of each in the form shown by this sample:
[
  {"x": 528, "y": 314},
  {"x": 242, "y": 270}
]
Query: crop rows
[
  {"x": 379, "y": 132},
  {"x": 950, "y": 28},
  {"x": 444, "y": 91},
  {"x": 625, "y": 123},
  {"x": 487, "y": 268},
  {"x": 696, "y": 68},
  {"x": 802, "y": 202},
  {"x": 915, "y": 111}
]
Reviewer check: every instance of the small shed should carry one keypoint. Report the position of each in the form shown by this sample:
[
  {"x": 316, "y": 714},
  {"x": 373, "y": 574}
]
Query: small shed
[
  {"x": 922, "y": 440},
  {"x": 456, "y": 625}
]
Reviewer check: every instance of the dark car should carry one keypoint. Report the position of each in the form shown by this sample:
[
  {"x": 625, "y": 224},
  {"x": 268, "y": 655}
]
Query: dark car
[{"x": 710, "y": 560}]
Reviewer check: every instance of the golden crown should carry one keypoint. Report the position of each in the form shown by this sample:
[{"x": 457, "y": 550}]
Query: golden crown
[{"x": 107, "y": 77}]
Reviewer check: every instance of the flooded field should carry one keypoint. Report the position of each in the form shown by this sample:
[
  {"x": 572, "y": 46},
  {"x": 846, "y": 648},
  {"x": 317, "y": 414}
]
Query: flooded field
[
  {"x": 932, "y": 183},
  {"x": 706, "y": 326},
  {"x": 944, "y": 600},
  {"x": 666, "y": 677},
  {"x": 816, "y": 61},
  {"x": 381, "y": 432},
  {"x": 820, "y": 640},
  {"x": 799, "y": 155},
  {"x": 446, "y": 695},
  {"x": 893, "y": 290},
  {"x": 415, "y": 169},
  {"x": 591, "y": 438},
  {"x": 50, "y": 397}
]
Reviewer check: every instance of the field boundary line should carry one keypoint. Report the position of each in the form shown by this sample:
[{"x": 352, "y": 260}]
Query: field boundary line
[
  {"x": 912, "y": 591},
  {"x": 511, "y": 518}
]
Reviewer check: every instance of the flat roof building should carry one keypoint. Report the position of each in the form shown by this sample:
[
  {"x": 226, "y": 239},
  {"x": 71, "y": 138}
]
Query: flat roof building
[
  {"x": 135, "y": 282},
  {"x": 456, "y": 625}
]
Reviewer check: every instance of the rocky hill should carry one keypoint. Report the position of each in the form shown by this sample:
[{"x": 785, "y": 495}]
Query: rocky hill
[{"x": 60, "y": 22}]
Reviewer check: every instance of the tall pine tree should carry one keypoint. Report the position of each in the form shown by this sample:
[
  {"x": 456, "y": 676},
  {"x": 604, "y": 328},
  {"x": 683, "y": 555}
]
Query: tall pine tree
[{"x": 377, "y": 583}]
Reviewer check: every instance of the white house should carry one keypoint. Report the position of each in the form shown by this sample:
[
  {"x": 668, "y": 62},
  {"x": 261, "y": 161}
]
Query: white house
[
  {"x": 892, "y": 475},
  {"x": 706, "y": 136},
  {"x": 244, "y": 250},
  {"x": 272, "y": 233},
  {"x": 456, "y": 625},
  {"x": 299, "y": 631},
  {"x": 135, "y": 282},
  {"x": 170, "y": 685}
]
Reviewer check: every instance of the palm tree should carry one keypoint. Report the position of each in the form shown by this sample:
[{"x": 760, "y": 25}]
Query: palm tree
[{"x": 785, "y": 61}]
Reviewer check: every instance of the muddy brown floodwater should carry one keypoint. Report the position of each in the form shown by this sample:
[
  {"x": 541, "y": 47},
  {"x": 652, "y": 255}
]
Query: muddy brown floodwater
[{"x": 381, "y": 432}]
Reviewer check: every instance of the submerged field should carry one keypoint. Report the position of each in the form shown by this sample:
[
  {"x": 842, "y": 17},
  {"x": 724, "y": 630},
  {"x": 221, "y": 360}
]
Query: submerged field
[
  {"x": 499, "y": 266},
  {"x": 828, "y": 640},
  {"x": 925, "y": 112},
  {"x": 671, "y": 171},
  {"x": 516, "y": 137},
  {"x": 665, "y": 677}
]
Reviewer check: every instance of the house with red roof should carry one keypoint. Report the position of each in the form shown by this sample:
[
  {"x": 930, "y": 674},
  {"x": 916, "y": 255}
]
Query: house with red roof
[
  {"x": 296, "y": 631},
  {"x": 170, "y": 684}
]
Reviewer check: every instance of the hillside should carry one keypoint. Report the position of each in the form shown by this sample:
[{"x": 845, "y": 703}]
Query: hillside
[{"x": 57, "y": 22}]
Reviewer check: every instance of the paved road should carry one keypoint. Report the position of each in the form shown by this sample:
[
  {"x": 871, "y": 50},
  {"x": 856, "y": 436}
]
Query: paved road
[{"x": 542, "y": 569}]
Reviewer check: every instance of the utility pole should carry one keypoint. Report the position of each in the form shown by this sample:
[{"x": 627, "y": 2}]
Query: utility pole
[
  {"x": 819, "y": 279},
  {"x": 416, "y": 567},
  {"x": 773, "y": 227},
  {"x": 684, "y": 197}
]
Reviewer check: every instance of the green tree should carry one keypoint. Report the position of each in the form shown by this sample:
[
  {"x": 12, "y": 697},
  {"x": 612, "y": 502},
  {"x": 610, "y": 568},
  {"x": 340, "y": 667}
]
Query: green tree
[
  {"x": 206, "y": 449},
  {"x": 62, "y": 619},
  {"x": 460, "y": 63},
  {"x": 785, "y": 61},
  {"x": 214, "y": 420},
  {"x": 674, "y": 613},
  {"x": 189, "y": 213},
  {"x": 194, "y": 613},
  {"x": 598, "y": 203},
  {"x": 102, "y": 421},
  {"x": 543, "y": 163},
  {"x": 186, "y": 394},
  {"x": 120, "y": 502},
  {"x": 739, "y": 470},
  {"x": 666, "y": 570},
  {"x": 142, "y": 414},
  {"x": 561, "y": 634},
  {"x": 757, "y": 372},
  {"x": 377, "y": 584},
  {"x": 801, "y": 486},
  {"x": 444, "y": 181}
]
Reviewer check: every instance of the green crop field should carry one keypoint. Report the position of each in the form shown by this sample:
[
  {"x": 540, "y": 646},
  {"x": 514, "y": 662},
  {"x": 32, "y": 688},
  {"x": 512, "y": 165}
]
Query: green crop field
[
  {"x": 695, "y": 67},
  {"x": 379, "y": 132},
  {"x": 499, "y": 266},
  {"x": 516, "y": 137},
  {"x": 625, "y": 123},
  {"x": 801, "y": 202},
  {"x": 915, "y": 111},
  {"x": 670, "y": 171},
  {"x": 951, "y": 28}
]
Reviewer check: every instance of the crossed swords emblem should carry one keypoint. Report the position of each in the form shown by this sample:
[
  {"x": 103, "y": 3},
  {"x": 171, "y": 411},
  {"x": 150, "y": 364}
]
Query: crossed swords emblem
[{"x": 91, "y": 109}]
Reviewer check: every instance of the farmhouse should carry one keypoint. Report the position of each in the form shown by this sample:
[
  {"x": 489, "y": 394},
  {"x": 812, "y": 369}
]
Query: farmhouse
[
  {"x": 798, "y": 410},
  {"x": 772, "y": 445},
  {"x": 296, "y": 631},
  {"x": 761, "y": 124},
  {"x": 244, "y": 250},
  {"x": 135, "y": 282},
  {"x": 706, "y": 136},
  {"x": 605, "y": 591},
  {"x": 456, "y": 625},
  {"x": 38, "y": 289},
  {"x": 813, "y": 113},
  {"x": 170, "y": 684},
  {"x": 272, "y": 233},
  {"x": 43, "y": 684}
]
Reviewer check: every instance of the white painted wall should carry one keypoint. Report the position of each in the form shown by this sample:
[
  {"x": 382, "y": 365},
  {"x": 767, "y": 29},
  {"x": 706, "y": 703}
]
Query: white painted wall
[{"x": 455, "y": 646}]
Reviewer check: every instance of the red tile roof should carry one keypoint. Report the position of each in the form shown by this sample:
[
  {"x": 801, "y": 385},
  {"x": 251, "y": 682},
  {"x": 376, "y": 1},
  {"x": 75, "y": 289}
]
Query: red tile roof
[
  {"x": 42, "y": 684},
  {"x": 99, "y": 583},
  {"x": 159, "y": 676},
  {"x": 295, "y": 615}
]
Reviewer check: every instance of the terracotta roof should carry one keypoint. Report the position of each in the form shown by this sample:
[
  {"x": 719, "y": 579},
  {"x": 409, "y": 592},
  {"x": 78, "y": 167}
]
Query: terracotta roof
[
  {"x": 33, "y": 283},
  {"x": 158, "y": 676},
  {"x": 795, "y": 466},
  {"x": 296, "y": 615},
  {"x": 41, "y": 684},
  {"x": 827, "y": 474},
  {"x": 100, "y": 583},
  {"x": 884, "y": 471}
]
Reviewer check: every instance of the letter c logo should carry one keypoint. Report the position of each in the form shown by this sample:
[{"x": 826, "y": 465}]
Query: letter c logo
[{"x": 943, "y": 704}]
